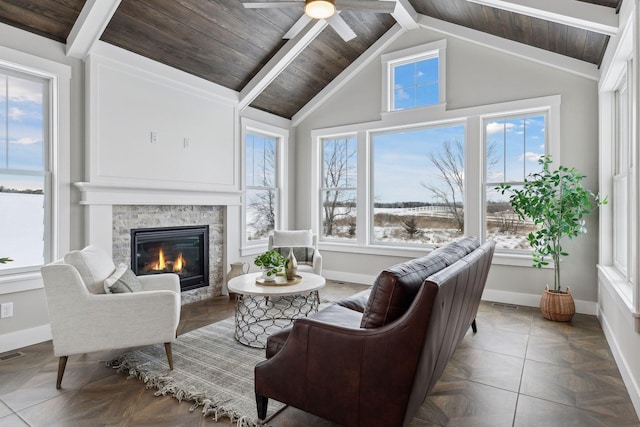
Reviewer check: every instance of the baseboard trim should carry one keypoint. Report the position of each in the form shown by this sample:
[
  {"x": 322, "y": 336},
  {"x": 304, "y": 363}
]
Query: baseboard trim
[
  {"x": 362, "y": 279},
  {"x": 24, "y": 338},
  {"x": 531, "y": 300}
]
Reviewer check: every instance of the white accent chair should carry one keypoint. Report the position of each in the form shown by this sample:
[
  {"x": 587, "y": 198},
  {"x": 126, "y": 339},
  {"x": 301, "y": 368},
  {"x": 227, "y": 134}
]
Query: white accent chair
[
  {"x": 305, "y": 248},
  {"x": 85, "y": 319}
]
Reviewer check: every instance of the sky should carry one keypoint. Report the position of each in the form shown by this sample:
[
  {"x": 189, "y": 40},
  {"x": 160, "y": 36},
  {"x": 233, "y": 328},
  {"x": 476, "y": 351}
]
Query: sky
[
  {"x": 21, "y": 130},
  {"x": 402, "y": 160}
]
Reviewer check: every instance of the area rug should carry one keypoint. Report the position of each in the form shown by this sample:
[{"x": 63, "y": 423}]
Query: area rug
[{"x": 211, "y": 370}]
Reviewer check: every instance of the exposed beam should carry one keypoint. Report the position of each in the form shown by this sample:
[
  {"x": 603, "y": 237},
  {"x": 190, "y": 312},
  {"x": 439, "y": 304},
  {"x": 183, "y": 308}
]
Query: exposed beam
[
  {"x": 590, "y": 17},
  {"x": 89, "y": 26},
  {"x": 350, "y": 72},
  {"x": 405, "y": 15},
  {"x": 551, "y": 59},
  {"x": 279, "y": 62}
]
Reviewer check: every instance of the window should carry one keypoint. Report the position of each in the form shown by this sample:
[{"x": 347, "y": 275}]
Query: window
[
  {"x": 339, "y": 187},
  {"x": 418, "y": 183},
  {"x": 414, "y": 77},
  {"x": 261, "y": 185},
  {"x": 621, "y": 173},
  {"x": 513, "y": 146},
  {"x": 24, "y": 170}
]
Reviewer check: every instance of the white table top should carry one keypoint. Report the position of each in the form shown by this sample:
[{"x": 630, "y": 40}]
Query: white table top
[{"x": 246, "y": 284}]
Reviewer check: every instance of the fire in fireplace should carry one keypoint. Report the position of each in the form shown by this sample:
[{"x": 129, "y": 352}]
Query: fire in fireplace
[{"x": 180, "y": 250}]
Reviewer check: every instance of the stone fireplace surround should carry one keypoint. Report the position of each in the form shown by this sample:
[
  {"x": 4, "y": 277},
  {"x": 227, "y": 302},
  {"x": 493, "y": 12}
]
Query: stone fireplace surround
[{"x": 111, "y": 212}]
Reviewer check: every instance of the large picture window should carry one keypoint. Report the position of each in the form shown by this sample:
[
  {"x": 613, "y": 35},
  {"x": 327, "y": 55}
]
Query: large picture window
[
  {"x": 339, "y": 187},
  {"x": 261, "y": 185},
  {"x": 24, "y": 170},
  {"x": 513, "y": 146},
  {"x": 418, "y": 185}
]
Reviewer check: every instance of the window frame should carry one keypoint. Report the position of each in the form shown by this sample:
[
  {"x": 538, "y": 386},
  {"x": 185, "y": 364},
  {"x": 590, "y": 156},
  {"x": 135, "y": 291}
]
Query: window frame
[
  {"x": 555, "y": 155},
  {"x": 281, "y": 136},
  {"x": 414, "y": 54},
  {"x": 474, "y": 166},
  {"x": 58, "y": 180}
]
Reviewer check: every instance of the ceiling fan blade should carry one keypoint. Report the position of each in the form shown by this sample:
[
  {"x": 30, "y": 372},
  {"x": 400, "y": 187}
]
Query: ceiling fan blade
[
  {"x": 341, "y": 27},
  {"x": 298, "y": 26},
  {"x": 270, "y": 4},
  {"x": 366, "y": 5}
]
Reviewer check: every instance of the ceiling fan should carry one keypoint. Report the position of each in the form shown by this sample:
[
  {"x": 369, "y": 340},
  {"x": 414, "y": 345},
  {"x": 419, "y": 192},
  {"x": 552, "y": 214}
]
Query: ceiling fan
[{"x": 325, "y": 9}]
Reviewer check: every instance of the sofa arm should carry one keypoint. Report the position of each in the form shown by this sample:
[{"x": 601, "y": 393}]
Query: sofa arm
[{"x": 337, "y": 372}]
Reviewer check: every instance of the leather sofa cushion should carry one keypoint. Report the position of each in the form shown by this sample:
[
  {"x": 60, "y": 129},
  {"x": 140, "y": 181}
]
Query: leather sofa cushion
[
  {"x": 396, "y": 287},
  {"x": 334, "y": 315},
  {"x": 357, "y": 302}
]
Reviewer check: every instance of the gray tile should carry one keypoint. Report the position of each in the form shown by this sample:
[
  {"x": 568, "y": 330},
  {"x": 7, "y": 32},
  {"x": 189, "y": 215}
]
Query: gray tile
[
  {"x": 12, "y": 421},
  {"x": 498, "y": 341},
  {"x": 486, "y": 367}
]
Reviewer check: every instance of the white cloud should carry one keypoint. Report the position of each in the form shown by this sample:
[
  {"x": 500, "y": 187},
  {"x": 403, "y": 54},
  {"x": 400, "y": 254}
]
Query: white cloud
[
  {"x": 495, "y": 127},
  {"x": 25, "y": 91},
  {"x": 402, "y": 94},
  {"x": 16, "y": 113},
  {"x": 27, "y": 140},
  {"x": 532, "y": 157}
]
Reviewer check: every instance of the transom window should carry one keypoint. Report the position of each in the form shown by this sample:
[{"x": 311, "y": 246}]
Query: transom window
[
  {"x": 24, "y": 170},
  {"x": 414, "y": 77},
  {"x": 513, "y": 146}
]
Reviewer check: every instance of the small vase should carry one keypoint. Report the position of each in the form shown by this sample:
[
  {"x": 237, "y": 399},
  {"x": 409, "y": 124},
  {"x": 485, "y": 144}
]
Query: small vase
[
  {"x": 291, "y": 268},
  {"x": 268, "y": 277},
  {"x": 237, "y": 269}
]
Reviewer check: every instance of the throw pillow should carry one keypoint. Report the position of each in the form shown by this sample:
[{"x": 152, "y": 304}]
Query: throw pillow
[{"x": 121, "y": 281}]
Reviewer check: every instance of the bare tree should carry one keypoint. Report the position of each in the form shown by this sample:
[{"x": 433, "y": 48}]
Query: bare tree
[
  {"x": 450, "y": 166},
  {"x": 338, "y": 199},
  {"x": 263, "y": 200}
]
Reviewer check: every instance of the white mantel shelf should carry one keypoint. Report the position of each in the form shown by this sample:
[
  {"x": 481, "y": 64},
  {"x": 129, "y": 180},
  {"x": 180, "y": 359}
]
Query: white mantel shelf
[{"x": 100, "y": 194}]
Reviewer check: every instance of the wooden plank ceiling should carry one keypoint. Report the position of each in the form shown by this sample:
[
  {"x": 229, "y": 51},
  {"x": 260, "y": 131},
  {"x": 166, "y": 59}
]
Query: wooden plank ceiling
[{"x": 221, "y": 41}]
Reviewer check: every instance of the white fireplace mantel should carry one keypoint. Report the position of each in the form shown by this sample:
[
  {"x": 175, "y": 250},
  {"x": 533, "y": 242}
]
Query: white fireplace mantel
[{"x": 99, "y": 194}]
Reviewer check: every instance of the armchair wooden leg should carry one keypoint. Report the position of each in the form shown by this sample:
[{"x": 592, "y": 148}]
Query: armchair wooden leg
[
  {"x": 167, "y": 348},
  {"x": 474, "y": 327},
  {"x": 62, "y": 363},
  {"x": 262, "y": 403}
]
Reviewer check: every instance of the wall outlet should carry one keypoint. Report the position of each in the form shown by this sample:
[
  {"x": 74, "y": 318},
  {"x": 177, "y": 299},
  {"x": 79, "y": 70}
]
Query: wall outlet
[
  {"x": 154, "y": 137},
  {"x": 186, "y": 143},
  {"x": 6, "y": 310}
]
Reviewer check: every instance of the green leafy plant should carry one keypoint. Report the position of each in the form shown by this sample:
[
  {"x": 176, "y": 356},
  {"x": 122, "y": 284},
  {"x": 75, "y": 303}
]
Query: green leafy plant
[
  {"x": 557, "y": 203},
  {"x": 271, "y": 261},
  {"x": 5, "y": 260}
]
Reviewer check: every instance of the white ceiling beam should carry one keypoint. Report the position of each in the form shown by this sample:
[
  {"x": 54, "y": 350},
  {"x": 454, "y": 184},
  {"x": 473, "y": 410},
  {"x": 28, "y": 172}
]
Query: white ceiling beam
[
  {"x": 279, "y": 62},
  {"x": 590, "y": 17},
  {"x": 405, "y": 15},
  {"x": 348, "y": 73},
  {"x": 541, "y": 56},
  {"x": 89, "y": 26}
]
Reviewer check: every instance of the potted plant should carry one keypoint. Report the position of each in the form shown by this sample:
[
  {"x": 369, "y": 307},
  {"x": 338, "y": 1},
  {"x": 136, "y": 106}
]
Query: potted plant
[
  {"x": 271, "y": 263},
  {"x": 557, "y": 203}
]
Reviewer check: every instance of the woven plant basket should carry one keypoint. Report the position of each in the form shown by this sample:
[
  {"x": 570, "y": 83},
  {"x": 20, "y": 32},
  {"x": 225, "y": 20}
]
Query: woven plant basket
[{"x": 557, "y": 306}]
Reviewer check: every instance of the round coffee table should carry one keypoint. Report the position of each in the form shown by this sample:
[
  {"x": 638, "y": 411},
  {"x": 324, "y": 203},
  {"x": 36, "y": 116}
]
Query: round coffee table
[{"x": 263, "y": 309}]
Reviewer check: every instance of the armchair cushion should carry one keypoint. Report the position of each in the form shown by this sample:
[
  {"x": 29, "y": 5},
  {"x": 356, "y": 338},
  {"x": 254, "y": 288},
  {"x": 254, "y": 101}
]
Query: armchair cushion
[
  {"x": 290, "y": 238},
  {"x": 94, "y": 266},
  {"x": 121, "y": 281}
]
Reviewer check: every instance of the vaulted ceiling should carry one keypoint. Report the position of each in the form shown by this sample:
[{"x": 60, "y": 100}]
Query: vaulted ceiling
[{"x": 244, "y": 50}]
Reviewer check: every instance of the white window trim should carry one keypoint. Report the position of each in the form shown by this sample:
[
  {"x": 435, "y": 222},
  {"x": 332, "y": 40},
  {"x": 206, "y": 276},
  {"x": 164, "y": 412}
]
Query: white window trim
[
  {"x": 281, "y": 136},
  {"x": 626, "y": 48},
  {"x": 59, "y": 222},
  {"x": 416, "y": 53},
  {"x": 472, "y": 116}
]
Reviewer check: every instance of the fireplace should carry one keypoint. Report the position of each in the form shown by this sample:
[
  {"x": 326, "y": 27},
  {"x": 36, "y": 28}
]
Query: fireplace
[{"x": 180, "y": 250}]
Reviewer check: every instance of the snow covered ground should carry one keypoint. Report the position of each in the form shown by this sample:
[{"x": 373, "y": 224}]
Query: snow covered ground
[{"x": 21, "y": 229}]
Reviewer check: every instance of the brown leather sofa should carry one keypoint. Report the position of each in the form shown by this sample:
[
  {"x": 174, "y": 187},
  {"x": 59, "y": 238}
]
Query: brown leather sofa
[{"x": 371, "y": 359}]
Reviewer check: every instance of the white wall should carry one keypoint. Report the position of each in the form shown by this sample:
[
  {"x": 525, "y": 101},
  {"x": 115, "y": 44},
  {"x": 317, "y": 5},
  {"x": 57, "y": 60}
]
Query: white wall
[{"x": 475, "y": 76}]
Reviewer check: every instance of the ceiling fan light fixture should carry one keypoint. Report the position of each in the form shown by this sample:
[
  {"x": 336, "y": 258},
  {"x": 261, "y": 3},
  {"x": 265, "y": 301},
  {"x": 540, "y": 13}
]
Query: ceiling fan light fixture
[{"x": 319, "y": 9}]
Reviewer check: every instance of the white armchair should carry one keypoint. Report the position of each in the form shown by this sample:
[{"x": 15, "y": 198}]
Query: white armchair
[
  {"x": 305, "y": 248},
  {"x": 84, "y": 318}
]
